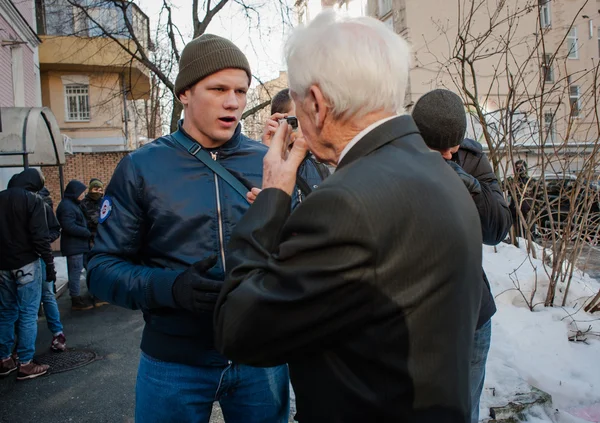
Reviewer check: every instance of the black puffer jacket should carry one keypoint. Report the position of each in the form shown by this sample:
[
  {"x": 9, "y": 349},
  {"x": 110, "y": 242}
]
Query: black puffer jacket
[
  {"x": 493, "y": 210},
  {"x": 23, "y": 230},
  {"x": 75, "y": 237}
]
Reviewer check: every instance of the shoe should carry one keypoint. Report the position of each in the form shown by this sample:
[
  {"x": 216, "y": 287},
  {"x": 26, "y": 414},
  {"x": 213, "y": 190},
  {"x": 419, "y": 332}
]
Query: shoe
[
  {"x": 97, "y": 302},
  {"x": 78, "y": 303},
  {"x": 7, "y": 366},
  {"x": 31, "y": 370},
  {"x": 59, "y": 343}
]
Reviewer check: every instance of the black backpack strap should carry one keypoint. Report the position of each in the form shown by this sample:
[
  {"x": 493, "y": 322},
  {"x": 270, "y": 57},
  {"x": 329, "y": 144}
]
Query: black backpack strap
[{"x": 198, "y": 152}]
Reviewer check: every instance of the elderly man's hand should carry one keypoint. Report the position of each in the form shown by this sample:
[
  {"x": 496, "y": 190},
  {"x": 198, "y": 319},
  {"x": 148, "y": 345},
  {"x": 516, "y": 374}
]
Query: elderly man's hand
[{"x": 281, "y": 163}]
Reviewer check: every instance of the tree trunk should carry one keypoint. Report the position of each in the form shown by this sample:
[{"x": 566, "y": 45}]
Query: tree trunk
[{"x": 176, "y": 114}]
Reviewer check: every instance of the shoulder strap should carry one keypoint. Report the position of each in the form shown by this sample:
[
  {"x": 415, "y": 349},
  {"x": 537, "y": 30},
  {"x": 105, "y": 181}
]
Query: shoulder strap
[{"x": 198, "y": 152}]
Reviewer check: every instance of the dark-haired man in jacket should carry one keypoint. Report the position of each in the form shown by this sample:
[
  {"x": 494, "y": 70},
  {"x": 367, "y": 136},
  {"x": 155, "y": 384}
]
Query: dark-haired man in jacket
[
  {"x": 74, "y": 240},
  {"x": 24, "y": 240},
  {"x": 165, "y": 223},
  {"x": 441, "y": 119}
]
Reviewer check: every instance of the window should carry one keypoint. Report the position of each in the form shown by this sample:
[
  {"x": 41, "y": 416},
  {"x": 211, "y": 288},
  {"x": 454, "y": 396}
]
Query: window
[
  {"x": 545, "y": 15},
  {"x": 384, "y": 7},
  {"x": 572, "y": 44},
  {"x": 389, "y": 22},
  {"x": 59, "y": 17},
  {"x": 110, "y": 21},
  {"x": 575, "y": 100},
  {"x": 77, "y": 101},
  {"x": 549, "y": 127},
  {"x": 547, "y": 68}
]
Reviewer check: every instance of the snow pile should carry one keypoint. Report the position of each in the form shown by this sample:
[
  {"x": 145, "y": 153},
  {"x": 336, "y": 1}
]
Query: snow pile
[
  {"x": 533, "y": 348},
  {"x": 62, "y": 277}
]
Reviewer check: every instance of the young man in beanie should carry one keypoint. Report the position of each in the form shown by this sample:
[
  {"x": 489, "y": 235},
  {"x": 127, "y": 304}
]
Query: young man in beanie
[
  {"x": 441, "y": 119},
  {"x": 165, "y": 223}
]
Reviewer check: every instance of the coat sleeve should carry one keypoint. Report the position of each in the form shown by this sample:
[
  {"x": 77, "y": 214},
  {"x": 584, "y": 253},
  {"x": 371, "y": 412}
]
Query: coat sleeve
[
  {"x": 67, "y": 217},
  {"x": 493, "y": 211},
  {"x": 115, "y": 273},
  {"x": 53, "y": 225},
  {"x": 294, "y": 283},
  {"x": 38, "y": 227}
]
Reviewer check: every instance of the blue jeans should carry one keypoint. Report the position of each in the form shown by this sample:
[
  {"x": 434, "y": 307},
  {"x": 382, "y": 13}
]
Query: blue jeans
[
  {"x": 481, "y": 347},
  {"x": 50, "y": 306},
  {"x": 20, "y": 296},
  {"x": 74, "y": 269},
  {"x": 173, "y": 392}
]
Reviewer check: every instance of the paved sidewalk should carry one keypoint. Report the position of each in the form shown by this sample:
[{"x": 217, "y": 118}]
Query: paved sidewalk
[{"x": 100, "y": 392}]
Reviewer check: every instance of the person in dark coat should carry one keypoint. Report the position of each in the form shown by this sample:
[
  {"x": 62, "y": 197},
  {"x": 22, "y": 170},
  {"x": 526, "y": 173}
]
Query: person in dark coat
[
  {"x": 91, "y": 206},
  {"x": 441, "y": 119},
  {"x": 24, "y": 240},
  {"x": 370, "y": 288},
  {"x": 74, "y": 240},
  {"x": 53, "y": 225},
  {"x": 59, "y": 340}
]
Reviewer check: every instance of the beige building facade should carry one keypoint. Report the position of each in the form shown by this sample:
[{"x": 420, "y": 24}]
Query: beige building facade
[
  {"x": 528, "y": 67},
  {"x": 93, "y": 87}
]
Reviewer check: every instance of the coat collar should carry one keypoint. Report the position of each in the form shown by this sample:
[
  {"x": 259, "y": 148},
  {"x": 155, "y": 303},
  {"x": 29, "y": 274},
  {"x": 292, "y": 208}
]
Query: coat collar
[
  {"x": 231, "y": 144},
  {"x": 378, "y": 137}
]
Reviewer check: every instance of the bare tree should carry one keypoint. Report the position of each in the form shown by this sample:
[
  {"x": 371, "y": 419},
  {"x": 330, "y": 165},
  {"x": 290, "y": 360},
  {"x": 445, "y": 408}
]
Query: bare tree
[
  {"x": 161, "y": 54},
  {"x": 526, "y": 101}
]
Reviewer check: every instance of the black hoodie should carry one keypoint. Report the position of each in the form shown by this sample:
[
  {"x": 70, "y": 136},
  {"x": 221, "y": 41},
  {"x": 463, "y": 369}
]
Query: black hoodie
[
  {"x": 23, "y": 180},
  {"x": 24, "y": 235},
  {"x": 75, "y": 236}
]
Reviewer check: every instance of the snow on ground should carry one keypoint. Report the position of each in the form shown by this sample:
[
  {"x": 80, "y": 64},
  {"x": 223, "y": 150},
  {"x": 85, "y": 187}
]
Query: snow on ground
[
  {"x": 60, "y": 264},
  {"x": 532, "y": 348}
]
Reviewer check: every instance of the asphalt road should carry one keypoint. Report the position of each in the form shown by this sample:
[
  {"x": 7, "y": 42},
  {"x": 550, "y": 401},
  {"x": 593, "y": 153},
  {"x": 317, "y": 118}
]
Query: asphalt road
[{"x": 100, "y": 392}]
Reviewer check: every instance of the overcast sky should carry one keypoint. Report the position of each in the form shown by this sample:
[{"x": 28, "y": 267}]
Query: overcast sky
[{"x": 263, "y": 49}]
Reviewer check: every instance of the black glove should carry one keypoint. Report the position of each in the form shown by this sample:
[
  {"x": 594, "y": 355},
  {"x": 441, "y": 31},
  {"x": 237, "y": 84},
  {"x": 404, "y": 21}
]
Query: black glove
[
  {"x": 50, "y": 273},
  {"x": 194, "y": 291},
  {"x": 470, "y": 181}
]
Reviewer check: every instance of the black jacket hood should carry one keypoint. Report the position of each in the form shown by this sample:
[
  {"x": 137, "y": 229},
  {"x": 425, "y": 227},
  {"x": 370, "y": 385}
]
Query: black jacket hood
[
  {"x": 74, "y": 189},
  {"x": 45, "y": 194},
  {"x": 29, "y": 179}
]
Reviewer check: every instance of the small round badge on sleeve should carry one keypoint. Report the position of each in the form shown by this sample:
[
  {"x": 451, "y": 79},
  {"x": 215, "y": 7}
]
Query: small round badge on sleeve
[{"x": 105, "y": 209}]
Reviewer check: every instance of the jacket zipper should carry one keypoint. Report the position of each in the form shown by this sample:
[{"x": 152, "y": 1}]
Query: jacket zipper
[{"x": 219, "y": 216}]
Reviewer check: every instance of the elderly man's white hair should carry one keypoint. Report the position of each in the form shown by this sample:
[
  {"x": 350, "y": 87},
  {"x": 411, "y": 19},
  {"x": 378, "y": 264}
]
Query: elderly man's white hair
[{"x": 360, "y": 65}]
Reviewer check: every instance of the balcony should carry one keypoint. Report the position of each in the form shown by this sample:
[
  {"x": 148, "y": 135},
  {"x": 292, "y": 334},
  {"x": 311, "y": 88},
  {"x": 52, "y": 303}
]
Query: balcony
[{"x": 80, "y": 39}]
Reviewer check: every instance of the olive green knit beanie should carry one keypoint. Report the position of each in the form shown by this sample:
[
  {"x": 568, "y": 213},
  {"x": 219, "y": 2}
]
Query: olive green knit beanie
[{"x": 206, "y": 55}]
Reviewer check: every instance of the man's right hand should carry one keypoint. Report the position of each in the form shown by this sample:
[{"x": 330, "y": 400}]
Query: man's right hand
[
  {"x": 50, "y": 273},
  {"x": 271, "y": 126},
  {"x": 195, "y": 292}
]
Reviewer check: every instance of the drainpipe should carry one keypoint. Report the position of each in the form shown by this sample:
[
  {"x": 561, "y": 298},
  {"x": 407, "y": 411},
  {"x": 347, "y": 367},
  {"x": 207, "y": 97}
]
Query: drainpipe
[{"x": 125, "y": 114}]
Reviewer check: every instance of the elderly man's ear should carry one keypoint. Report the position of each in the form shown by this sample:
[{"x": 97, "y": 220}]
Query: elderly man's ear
[{"x": 319, "y": 107}]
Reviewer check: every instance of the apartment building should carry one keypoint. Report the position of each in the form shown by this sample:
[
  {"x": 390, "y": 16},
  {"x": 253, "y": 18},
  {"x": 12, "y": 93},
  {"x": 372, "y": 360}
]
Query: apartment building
[
  {"x": 92, "y": 85},
  {"x": 534, "y": 60},
  {"x": 308, "y": 9}
]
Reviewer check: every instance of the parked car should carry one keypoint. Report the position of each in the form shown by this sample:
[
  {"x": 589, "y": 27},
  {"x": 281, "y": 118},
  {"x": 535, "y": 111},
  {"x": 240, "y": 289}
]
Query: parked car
[{"x": 570, "y": 201}]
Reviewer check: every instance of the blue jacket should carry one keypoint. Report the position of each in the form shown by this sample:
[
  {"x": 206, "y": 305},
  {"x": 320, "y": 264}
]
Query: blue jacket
[
  {"x": 163, "y": 211},
  {"x": 75, "y": 235}
]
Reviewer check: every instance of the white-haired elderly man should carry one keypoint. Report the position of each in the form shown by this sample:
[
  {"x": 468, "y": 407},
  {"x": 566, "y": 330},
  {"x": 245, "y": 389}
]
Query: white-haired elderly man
[{"x": 370, "y": 288}]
